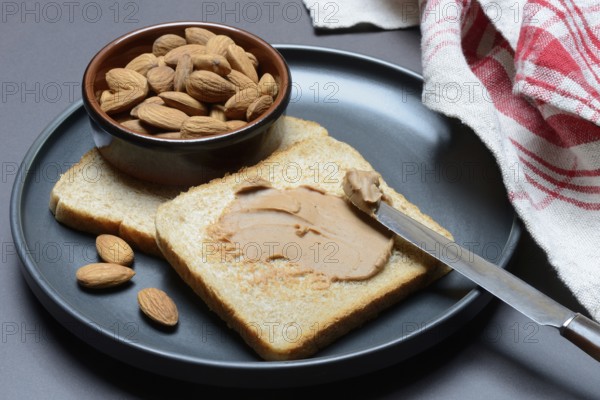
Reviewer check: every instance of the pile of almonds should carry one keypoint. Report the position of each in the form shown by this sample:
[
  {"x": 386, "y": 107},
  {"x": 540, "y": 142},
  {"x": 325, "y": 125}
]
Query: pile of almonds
[
  {"x": 117, "y": 257},
  {"x": 201, "y": 85}
]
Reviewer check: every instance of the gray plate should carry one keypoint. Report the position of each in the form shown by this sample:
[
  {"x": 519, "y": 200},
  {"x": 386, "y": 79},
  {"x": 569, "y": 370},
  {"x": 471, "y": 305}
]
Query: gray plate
[{"x": 438, "y": 164}]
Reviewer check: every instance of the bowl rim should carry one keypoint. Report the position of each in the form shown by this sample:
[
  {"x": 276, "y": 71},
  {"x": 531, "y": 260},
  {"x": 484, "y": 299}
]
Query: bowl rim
[{"x": 101, "y": 118}]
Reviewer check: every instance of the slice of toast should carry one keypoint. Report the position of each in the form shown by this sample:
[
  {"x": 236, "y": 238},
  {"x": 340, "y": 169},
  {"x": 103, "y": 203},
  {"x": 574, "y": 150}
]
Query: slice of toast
[
  {"x": 283, "y": 315},
  {"x": 94, "y": 197}
]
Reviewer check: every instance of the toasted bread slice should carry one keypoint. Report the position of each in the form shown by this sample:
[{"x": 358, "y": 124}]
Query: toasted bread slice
[
  {"x": 94, "y": 197},
  {"x": 283, "y": 315}
]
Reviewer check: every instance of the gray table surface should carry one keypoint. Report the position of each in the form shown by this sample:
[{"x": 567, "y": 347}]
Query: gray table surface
[{"x": 44, "y": 49}]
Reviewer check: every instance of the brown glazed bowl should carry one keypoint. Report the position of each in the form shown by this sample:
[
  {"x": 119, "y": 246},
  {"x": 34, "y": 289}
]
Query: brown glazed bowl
[{"x": 182, "y": 161}]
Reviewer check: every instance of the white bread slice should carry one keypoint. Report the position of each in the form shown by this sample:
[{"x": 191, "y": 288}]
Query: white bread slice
[
  {"x": 280, "y": 314},
  {"x": 94, "y": 197}
]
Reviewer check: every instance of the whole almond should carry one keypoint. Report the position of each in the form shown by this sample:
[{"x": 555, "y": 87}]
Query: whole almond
[
  {"x": 239, "y": 61},
  {"x": 125, "y": 79},
  {"x": 197, "y": 35},
  {"x": 212, "y": 62},
  {"x": 208, "y": 86},
  {"x": 235, "y": 124},
  {"x": 202, "y": 126},
  {"x": 160, "y": 79},
  {"x": 158, "y": 306},
  {"x": 240, "y": 80},
  {"x": 253, "y": 58},
  {"x": 143, "y": 63},
  {"x": 217, "y": 111},
  {"x": 127, "y": 88},
  {"x": 161, "y": 116},
  {"x": 113, "y": 249},
  {"x": 267, "y": 85},
  {"x": 110, "y": 104},
  {"x": 172, "y": 57},
  {"x": 258, "y": 107},
  {"x": 166, "y": 43},
  {"x": 114, "y": 102},
  {"x": 103, "y": 275},
  {"x": 218, "y": 45},
  {"x": 138, "y": 126},
  {"x": 149, "y": 100},
  {"x": 184, "y": 102},
  {"x": 184, "y": 68},
  {"x": 236, "y": 106}
]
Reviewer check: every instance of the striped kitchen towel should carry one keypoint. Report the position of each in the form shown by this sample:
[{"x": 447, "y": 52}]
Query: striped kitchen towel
[{"x": 528, "y": 75}]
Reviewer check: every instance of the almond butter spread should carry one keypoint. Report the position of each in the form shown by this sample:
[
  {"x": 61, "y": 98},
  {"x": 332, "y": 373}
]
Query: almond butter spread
[
  {"x": 362, "y": 188},
  {"x": 317, "y": 231}
]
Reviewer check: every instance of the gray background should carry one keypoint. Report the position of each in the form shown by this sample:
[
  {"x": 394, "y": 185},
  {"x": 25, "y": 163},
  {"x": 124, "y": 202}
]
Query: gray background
[{"x": 45, "y": 48}]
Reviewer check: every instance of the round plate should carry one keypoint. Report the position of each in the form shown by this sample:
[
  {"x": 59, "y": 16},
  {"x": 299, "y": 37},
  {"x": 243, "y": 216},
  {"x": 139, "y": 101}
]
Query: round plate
[{"x": 437, "y": 163}]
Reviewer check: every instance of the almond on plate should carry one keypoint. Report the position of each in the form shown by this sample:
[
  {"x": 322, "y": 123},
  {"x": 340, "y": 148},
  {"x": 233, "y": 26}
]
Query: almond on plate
[
  {"x": 113, "y": 249},
  {"x": 158, "y": 306},
  {"x": 103, "y": 275}
]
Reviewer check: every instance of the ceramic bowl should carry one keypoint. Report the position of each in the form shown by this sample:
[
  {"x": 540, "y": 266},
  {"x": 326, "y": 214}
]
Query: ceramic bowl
[{"x": 182, "y": 161}]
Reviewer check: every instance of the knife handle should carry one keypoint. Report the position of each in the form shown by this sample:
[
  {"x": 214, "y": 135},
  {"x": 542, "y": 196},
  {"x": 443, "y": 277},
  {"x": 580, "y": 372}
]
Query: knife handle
[{"x": 583, "y": 333}]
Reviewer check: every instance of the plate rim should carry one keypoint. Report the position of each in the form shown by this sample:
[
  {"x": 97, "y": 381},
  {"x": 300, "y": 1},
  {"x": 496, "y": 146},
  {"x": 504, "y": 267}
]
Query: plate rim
[{"x": 103, "y": 339}]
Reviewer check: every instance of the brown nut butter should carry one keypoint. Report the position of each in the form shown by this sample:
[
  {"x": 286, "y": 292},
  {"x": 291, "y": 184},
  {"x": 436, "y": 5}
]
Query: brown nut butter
[
  {"x": 362, "y": 188},
  {"x": 318, "y": 232}
]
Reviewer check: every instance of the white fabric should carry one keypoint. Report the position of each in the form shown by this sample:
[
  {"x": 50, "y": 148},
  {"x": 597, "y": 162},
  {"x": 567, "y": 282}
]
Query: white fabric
[{"x": 390, "y": 14}]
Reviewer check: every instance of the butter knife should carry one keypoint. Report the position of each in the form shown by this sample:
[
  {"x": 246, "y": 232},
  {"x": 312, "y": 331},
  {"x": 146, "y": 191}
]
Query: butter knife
[{"x": 580, "y": 330}]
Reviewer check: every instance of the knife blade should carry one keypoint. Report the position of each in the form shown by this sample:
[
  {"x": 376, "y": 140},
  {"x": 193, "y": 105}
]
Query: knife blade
[{"x": 577, "y": 328}]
